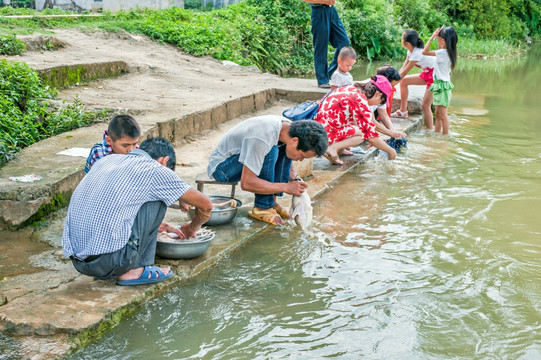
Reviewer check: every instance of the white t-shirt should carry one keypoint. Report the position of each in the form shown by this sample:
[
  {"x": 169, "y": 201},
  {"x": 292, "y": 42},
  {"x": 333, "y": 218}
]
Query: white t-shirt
[
  {"x": 341, "y": 79},
  {"x": 442, "y": 67},
  {"x": 423, "y": 61},
  {"x": 375, "y": 107},
  {"x": 252, "y": 139}
]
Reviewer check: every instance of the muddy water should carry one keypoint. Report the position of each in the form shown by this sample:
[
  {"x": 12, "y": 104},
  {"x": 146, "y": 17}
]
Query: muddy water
[
  {"x": 16, "y": 247},
  {"x": 435, "y": 255}
]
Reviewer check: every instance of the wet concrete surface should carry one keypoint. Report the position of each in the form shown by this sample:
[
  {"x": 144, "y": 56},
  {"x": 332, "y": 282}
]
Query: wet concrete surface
[{"x": 17, "y": 249}]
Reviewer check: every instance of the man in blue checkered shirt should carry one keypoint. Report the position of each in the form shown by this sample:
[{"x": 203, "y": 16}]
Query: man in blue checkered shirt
[{"x": 116, "y": 213}]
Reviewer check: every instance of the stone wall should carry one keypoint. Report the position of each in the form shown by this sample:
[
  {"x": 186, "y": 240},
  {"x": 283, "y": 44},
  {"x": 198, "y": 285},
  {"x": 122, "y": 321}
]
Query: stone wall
[
  {"x": 112, "y": 5},
  {"x": 120, "y": 5},
  {"x": 74, "y": 5},
  {"x": 217, "y": 3}
]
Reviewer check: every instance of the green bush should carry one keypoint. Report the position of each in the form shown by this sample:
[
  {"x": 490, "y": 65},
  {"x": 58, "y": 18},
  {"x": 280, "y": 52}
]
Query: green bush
[
  {"x": 284, "y": 40},
  {"x": 25, "y": 116},
  {"x": 515, "y": 19},
  {"x": 10, "y": 45},
  {"x": 371, "y": 31}
]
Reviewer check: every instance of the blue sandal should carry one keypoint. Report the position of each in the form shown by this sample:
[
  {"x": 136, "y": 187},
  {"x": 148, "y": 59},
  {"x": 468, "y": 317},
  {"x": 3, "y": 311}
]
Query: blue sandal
[{"x": 151, "y": 274}]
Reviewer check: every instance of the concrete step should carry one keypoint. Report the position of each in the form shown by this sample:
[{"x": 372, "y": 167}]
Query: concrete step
[{"x": 67, "y": 75}]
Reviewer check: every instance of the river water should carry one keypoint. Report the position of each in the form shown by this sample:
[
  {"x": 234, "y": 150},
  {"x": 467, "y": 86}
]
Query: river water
[{"x": 433, "y": 256}]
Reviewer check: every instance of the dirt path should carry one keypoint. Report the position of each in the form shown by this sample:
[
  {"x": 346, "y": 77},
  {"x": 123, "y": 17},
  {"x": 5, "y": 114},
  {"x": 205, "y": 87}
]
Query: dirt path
[{"x": 163, "y": 81}]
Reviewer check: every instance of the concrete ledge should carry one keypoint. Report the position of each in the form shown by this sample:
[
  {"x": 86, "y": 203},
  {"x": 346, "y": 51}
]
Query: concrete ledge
[
  {"x": 66, "y": 75},
  {"x": 42, "y": 42}
]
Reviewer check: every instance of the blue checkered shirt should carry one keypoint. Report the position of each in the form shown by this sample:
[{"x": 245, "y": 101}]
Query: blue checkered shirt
[
  {"x": 97, "y": 152},
  {"x": 104, "y": 205}
]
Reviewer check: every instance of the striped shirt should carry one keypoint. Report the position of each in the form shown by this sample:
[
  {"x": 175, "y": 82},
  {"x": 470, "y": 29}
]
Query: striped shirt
[
  {"x": 97, "y": 152},
  {"x": 104, "y": 205}
]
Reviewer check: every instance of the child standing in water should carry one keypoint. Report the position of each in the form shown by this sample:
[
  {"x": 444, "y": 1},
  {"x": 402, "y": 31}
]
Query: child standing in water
[
  {"x": 445, "y": 62},
  {"x": 415, "y": 57}
]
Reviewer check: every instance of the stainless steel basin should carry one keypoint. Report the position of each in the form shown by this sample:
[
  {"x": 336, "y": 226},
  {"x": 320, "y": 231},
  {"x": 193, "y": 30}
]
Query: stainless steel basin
[
  {"x": 183, "y": 249},
  {"x": 220, "y": 216}
]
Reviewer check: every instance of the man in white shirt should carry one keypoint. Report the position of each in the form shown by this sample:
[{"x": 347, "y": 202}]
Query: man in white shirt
[{"x": 258, "y": 152}]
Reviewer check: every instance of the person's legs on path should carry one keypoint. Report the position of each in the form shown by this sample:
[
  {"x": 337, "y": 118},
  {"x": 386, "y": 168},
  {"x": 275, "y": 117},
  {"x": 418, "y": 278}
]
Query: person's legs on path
[
  {"x": 138, "y": 252},
  {"x": 282, "y": 167},
  {"x": 320, "y": 33},
  {"x": 229, "y": 170},
  {"x": 144, "y": 236},
  {"x": 268, "y": 170},
  {"x": 145, "y": 231},
  {"x": 335, "y": 148},
  {"x": 404, "y": 92},
  {"x": 263, "y": 205},
  {"x": 337, "y": 37}
]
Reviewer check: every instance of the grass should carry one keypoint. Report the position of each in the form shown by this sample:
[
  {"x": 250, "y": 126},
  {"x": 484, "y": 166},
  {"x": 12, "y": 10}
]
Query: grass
[{"x": 489, "y": 48}]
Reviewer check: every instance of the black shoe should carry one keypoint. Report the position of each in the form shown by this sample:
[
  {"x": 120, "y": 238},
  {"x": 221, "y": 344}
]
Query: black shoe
[{"x": 324, "y": 86}]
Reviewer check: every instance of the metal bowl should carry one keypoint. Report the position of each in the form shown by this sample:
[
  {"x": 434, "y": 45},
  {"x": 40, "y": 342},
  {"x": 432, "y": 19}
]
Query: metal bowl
[
  {"x": 220, "y": 216},
  {"x": 183, "y": 249}
]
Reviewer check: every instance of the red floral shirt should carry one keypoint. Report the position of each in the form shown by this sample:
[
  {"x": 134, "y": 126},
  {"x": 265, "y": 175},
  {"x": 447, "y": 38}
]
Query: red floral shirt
[{"x": 343, "y": 110}]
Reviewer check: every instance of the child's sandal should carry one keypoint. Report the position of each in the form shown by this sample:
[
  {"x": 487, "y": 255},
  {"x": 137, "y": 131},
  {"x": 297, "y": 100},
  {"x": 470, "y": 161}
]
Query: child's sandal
[{"x": 400, "y": 114}]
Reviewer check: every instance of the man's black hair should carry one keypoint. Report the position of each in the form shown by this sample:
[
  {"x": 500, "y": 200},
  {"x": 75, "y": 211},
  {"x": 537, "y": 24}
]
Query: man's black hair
[
  {"x": 158, "y": 147},
  {"x": 123, "y": 125},
  {"x": 311, "y": 135}
]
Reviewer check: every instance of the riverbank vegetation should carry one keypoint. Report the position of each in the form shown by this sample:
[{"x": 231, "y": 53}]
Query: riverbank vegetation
[
  {"x": 26, "y": 117},
  {"x": 273, "y": 35}
]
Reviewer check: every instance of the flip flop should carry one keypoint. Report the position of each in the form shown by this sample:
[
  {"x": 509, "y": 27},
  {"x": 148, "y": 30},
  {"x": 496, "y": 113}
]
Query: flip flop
[
  {"x": 335, "y": 160},
  {"x": 151, "y": 274},
  {"x": 267, "y": 215},
  {"x": 284, "y": 214}
]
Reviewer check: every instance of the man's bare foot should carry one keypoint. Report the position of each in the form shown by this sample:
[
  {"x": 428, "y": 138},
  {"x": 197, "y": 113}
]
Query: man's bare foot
[
  {"x": 284, "y": 214},
  {"x": 335, "y": 160},
  {"x": 134, "y": 274}
]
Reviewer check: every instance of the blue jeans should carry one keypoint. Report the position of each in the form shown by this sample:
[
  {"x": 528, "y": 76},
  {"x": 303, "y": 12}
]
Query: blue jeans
[
  {"x": 276, "y": 167},
  {"x": 327, "y": 28}
]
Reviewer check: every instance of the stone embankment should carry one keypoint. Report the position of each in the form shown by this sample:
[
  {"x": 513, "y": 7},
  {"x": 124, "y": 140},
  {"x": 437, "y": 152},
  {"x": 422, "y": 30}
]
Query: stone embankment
[{"x": 192, "y": 102}]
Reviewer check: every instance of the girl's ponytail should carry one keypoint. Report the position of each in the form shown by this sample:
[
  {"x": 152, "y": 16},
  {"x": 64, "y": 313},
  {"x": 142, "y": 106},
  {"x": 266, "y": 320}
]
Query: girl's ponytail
[
  {"x": 451, "y": 38},
  {"x": 413, "y": 38}
]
